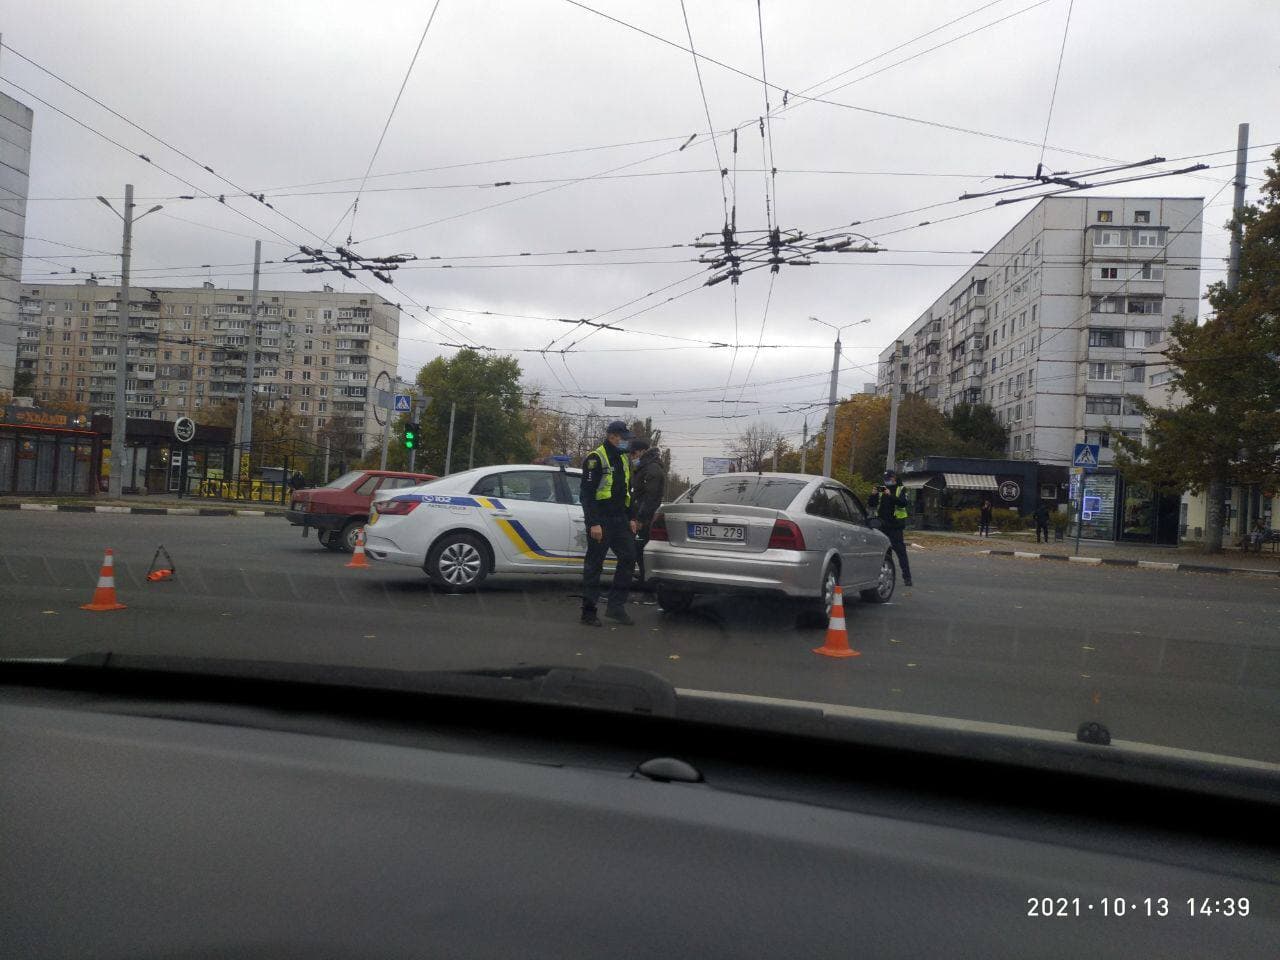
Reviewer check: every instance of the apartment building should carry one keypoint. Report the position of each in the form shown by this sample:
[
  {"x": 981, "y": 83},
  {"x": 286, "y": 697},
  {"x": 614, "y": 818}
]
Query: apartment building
[
  {"x": 1051, "y": 326},
  {"x": 319, "y": 354},
  {"x": 15, "y": 161}
]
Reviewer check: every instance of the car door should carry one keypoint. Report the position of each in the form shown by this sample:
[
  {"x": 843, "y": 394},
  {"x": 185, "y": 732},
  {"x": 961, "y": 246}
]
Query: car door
[
  {"x": 528, "y": 524},
  {"x": 848, "y": 542},
  {"x": 868, "y": 544},
  {"x": 821, "y": 531}
]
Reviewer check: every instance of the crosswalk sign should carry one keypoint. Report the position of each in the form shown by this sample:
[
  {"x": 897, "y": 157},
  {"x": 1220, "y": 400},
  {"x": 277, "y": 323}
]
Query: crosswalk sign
[
  {"x": 404, "y": 403},
  {"x": 1086, "y": 456}
]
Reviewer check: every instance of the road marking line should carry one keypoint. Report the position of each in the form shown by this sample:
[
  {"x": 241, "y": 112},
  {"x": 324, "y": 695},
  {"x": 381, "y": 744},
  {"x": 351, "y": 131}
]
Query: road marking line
[
  {"x": 1157, "y": 565},
  {"x": 1092, "y": 561},
  {"x": 48, "y": 507}
]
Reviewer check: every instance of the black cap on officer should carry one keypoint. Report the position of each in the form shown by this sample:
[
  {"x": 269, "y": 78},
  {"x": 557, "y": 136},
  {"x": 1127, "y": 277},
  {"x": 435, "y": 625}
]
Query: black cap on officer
[{"x": 620, "y": 428}]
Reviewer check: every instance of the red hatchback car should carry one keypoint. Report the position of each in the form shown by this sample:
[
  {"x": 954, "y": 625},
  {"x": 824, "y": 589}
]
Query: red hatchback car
[{"x": 339, "y": 509}]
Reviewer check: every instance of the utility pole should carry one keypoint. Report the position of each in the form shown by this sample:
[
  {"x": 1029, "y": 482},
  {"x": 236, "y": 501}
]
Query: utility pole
[
  {"x": 326, "y": 459},
  {"x": 804, "y": 447},
  {"x": 386, "y": 437},
  {"x": 831, "y": 398},
  {"x": 1242, "y": 153},
  {"x": 251, "y": 344},
  {"x": 475, "y": 418},
  {"x": 893, "y": 429},
  {"x": 1216, "y": 492},
  {"x": 120, "y": 414},
  {"x": 448, "y": 454},
  {"x": 119, "y": 418}
]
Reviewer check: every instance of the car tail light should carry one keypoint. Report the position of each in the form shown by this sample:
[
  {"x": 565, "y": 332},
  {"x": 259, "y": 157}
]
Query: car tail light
[
  {"x": 658, "y": 528},
  {"x": 396, "y": 508},
  {"x": 786, "y": 536}
]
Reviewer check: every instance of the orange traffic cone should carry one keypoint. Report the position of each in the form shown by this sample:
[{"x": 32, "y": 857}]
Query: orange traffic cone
[
  {"x": 357, "y": 555},
  {"x": 104, "y": 597},
  {"x": 837, "y": 644}
]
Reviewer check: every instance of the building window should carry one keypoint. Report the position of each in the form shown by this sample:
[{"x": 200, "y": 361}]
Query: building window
[
  {"x": 1106, "y": 273},
  {"x": 1100, "y": 437},
  {"x": 1104, "y": 371},
  {"x": 1152, "y": 271},
  {"x": 1105, "y": 337},
  {"x": 1142, "y": 216},
  {"x": 1161, "y": 378},
  {"x": 1145, "y": 305},
  {"x": 1017, "y": 443},
  {"x": 1146, "y": 238},
  {"x": 1104, "y": 216},
  {"x": 1107, "y": 405},
  {"x": 1109, "y": 238},
  {"x": 84, "y": 307}
]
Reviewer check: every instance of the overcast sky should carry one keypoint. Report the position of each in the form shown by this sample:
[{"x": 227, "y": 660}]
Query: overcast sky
[{"x": 277, "y": 96}]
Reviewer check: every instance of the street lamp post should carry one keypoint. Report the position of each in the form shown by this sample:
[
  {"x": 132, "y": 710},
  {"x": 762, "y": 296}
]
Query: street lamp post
[
  {"x": 831, "y": 399},
  {"x": 115, "y": 483}
]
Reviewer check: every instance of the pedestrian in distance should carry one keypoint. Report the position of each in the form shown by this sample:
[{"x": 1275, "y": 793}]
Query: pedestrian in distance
[
  {"x": 606, "y": 506},
  {"x": 889, "y": 503},
  {"x": 984, "y": 518},
  {"x": 1041, "y": 517},
  {"x": 648, "y": 481}
]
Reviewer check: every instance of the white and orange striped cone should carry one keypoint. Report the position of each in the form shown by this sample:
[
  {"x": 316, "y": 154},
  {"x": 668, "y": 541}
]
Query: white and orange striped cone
[
  {"x": 837, "y": 644},
  {"x": 104, "y": 597},
  {"x": 357, "y": 555}
]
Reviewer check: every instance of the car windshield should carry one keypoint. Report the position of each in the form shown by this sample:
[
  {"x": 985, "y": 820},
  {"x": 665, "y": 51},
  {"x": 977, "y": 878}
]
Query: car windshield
[
  {"x": 701, "y": 324},
  {"x": 747, "y": 491}
]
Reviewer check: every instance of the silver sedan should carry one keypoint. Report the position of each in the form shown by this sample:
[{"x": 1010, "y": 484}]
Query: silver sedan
[{"x": 789, "y": 535}]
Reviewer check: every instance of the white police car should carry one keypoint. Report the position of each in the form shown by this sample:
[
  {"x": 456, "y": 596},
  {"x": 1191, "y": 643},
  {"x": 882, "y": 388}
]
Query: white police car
[{"x": 460, "y": 529}]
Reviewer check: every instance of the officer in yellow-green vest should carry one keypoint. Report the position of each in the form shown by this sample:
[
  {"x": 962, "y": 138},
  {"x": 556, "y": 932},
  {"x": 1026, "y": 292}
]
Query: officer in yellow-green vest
[
  {"x": 889, "y": 503},
  {"x": 611, "y": 524}
]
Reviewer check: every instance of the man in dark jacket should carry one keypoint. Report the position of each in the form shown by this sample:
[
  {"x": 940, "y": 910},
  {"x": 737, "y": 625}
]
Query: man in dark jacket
[
  {"x": 606, "y": 506},
  {"x": 889, "y": 502},
  {"x": 1041, "y": 515},
  {"x": 648, "y": 480}
]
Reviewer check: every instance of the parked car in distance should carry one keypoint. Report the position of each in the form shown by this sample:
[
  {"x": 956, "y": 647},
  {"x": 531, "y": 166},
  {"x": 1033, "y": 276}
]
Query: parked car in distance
[
  {"x": 789, "y": 535},
  {"x": 339, "y": 509}
]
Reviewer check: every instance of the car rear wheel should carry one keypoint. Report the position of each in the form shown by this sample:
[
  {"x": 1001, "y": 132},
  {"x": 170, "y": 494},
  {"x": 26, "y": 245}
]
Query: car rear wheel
[
  {"x": 888, "y": 579},
  {"x": 818, "y": 610},
  {"x": 674, "y": 600},
  {"x": 346, "y": 539},
  {"x": 458, "y": 562}
]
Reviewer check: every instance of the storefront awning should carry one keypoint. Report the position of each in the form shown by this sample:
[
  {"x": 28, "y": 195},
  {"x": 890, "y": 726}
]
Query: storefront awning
[
  {"x": 915, "y": 483},
  {"x": 970, "y": 481}
]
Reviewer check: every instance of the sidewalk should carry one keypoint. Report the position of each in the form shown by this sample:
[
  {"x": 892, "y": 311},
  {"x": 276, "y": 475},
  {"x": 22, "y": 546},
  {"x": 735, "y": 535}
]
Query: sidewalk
[
  {"x": 1187, "y": 557},
  {"x": 143, "y": 504}
]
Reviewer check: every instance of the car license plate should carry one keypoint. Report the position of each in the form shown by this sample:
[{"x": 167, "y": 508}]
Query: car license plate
[{"x": 717, "y": 531}]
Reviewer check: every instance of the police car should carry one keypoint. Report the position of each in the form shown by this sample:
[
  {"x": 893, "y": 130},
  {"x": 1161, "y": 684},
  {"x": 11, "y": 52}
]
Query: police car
[{"x": 461, "y": 529}]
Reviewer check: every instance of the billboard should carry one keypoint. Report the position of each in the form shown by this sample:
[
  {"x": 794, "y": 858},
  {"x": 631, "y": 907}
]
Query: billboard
[{"x": 714, "y": 465}]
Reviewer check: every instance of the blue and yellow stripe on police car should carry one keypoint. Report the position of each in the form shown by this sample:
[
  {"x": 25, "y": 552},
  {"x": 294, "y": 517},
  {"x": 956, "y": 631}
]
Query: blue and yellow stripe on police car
[{"x": 515, "y": 531}]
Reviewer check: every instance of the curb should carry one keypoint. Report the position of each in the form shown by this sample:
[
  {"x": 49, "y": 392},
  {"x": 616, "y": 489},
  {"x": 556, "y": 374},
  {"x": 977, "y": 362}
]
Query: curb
[
  {"x": 1122, "y": 562},
  {"x": 144, "y": 511}
]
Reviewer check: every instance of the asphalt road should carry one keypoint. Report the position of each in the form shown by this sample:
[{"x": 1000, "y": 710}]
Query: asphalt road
[{"x": 1178, "y": 659}]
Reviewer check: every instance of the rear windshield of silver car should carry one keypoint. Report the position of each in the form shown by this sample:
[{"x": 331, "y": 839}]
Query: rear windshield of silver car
[{"x": 757, "y": 491}]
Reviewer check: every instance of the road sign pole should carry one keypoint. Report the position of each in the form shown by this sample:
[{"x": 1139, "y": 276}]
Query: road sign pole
[{"x": 386, "y": 438}]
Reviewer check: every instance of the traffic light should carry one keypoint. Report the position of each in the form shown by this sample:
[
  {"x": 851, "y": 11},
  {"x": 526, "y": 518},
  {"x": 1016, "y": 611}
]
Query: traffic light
[{"x": 410, "y": 436}]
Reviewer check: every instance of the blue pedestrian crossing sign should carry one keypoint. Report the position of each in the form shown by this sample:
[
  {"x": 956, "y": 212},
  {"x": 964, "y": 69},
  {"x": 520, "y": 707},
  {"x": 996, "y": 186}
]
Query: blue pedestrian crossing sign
[
  {"x": 404, "y": 403},
  {"x": 1086, "y": 456}
]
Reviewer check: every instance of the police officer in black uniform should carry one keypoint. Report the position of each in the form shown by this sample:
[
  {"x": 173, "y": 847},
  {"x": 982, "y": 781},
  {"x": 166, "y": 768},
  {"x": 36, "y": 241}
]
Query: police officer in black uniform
[{"x": 611, "y": 525}]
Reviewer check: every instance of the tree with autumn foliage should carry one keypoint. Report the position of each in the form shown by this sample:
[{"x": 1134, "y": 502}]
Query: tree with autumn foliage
[{"x": 1227, "y": 370}]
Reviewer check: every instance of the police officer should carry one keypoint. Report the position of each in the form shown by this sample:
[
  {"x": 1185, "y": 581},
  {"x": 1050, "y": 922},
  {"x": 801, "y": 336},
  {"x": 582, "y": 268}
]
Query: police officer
[
  {"x": 648, "y": 481},
  {"x": 889, "y": 501},
  {"x": 606, "y": 506}
]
